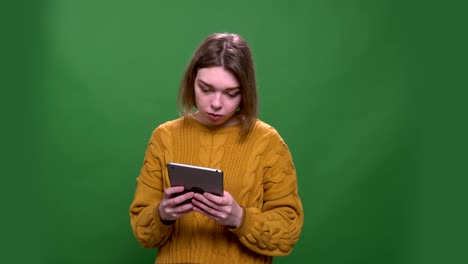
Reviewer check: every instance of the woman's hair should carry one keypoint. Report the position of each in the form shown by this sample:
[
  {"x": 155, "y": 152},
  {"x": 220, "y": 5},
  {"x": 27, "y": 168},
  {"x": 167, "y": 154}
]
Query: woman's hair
[{"x": 231, "y": 52}]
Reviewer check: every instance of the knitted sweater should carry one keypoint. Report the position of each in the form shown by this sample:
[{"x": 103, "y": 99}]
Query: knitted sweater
[{"x": 258, "y": 172}]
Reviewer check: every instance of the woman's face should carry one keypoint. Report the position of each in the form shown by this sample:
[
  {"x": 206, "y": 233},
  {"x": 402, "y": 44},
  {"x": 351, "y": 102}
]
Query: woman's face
[{"x": 217, "y": 95}]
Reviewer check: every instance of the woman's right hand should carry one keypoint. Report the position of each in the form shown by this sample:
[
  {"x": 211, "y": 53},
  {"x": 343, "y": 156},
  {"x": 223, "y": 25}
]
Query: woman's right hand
[{"x": 172, "y": 207}]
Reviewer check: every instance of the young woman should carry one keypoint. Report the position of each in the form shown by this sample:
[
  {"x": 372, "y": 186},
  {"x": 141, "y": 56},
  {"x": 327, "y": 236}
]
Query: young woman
[{"x": 260, "y": 214}]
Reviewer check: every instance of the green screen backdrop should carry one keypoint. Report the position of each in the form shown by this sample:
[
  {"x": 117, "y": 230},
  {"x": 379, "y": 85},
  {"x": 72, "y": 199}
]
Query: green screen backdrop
[{"x": 369, "y": 96}]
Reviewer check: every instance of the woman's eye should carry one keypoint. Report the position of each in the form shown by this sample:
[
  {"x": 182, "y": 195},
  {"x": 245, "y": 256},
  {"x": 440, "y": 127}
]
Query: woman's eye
[
  {"x": 204, "y": 89},
  {"x": 233, "y": 93}
]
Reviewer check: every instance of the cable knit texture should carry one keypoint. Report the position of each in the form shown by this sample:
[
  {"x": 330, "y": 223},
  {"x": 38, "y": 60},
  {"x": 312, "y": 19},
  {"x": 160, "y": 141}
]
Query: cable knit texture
[{"x": 258, "y": 172}]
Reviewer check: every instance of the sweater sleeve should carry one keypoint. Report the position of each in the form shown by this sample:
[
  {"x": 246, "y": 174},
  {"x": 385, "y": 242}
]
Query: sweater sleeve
[
  {"x": 144, "y": 214},
  {"x": 275, "y": 228}
]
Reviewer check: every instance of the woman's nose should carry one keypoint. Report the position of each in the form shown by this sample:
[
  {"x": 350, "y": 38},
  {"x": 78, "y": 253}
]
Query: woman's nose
[{"x": 216, "y": 101}]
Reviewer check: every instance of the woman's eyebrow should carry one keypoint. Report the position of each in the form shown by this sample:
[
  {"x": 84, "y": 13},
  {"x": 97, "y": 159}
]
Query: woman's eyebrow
[
  {"x": 205, "y": 83},
  {"x": 211, "y": 86}
]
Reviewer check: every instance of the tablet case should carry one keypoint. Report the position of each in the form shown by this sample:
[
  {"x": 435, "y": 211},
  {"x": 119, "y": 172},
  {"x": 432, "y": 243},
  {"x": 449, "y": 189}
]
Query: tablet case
[{"x": 195, "y": 178}]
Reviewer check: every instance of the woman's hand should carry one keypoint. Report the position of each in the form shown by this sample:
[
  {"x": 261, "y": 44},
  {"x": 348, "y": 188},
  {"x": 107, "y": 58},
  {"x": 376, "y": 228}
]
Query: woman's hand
[
  {"x": 172, "y": 207},
  {"x": 225, "y": 210}
]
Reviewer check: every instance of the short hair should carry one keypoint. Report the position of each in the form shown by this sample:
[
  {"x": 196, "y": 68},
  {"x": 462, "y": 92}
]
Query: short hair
[{"x": 231, "y": 52}]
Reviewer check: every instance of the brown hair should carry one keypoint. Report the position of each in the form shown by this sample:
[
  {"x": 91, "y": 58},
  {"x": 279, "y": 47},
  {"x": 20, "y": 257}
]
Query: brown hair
[{"x": 231, "y": 52}]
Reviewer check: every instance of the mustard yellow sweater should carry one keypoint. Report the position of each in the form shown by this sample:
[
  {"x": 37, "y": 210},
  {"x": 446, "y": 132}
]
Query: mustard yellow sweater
[{"x": 258, "y": 172}]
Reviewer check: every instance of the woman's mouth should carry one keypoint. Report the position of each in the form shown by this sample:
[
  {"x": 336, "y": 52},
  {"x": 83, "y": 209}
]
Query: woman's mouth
[{"x": 214, "y": 117}]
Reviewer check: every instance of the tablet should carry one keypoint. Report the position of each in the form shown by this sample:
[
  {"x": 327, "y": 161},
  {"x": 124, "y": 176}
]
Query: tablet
[{"x": 195, "y": 178}]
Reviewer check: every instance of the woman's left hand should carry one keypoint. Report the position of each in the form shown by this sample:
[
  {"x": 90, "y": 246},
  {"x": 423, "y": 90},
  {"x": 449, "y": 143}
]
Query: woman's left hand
[{"x": 224, "y": 210}]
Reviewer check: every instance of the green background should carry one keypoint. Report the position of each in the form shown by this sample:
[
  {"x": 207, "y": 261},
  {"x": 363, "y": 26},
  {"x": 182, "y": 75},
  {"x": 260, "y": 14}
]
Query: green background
[{"x": 369, "y": 95}]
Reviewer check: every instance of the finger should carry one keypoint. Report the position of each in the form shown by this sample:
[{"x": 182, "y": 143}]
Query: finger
[
  {"x": 199, "y": 210},
  {"x": 213, "y": 212},
  {"x": 204, "y": 209},
  {"x": 173, "y": 190},
  {"x": 215, "y": 198},
  {"x": 179, "y": 210},
  {"x": 182, "y": 198},
  {"x": 183, "y": 208},
  {"x": 177, "y": 215},
  {"x": 201, "y": 198}
]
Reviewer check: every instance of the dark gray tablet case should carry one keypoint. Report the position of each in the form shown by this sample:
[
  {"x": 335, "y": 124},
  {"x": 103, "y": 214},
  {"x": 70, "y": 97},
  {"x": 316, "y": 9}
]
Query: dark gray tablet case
[{"x": 195, "y": 178}]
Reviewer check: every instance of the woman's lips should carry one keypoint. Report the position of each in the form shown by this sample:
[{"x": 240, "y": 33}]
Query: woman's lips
[{"x": 214, "y": 117}]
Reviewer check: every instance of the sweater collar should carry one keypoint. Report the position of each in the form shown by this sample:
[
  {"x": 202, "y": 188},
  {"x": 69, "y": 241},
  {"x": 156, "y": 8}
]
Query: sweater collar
[{"x": 211, "y": 129}]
